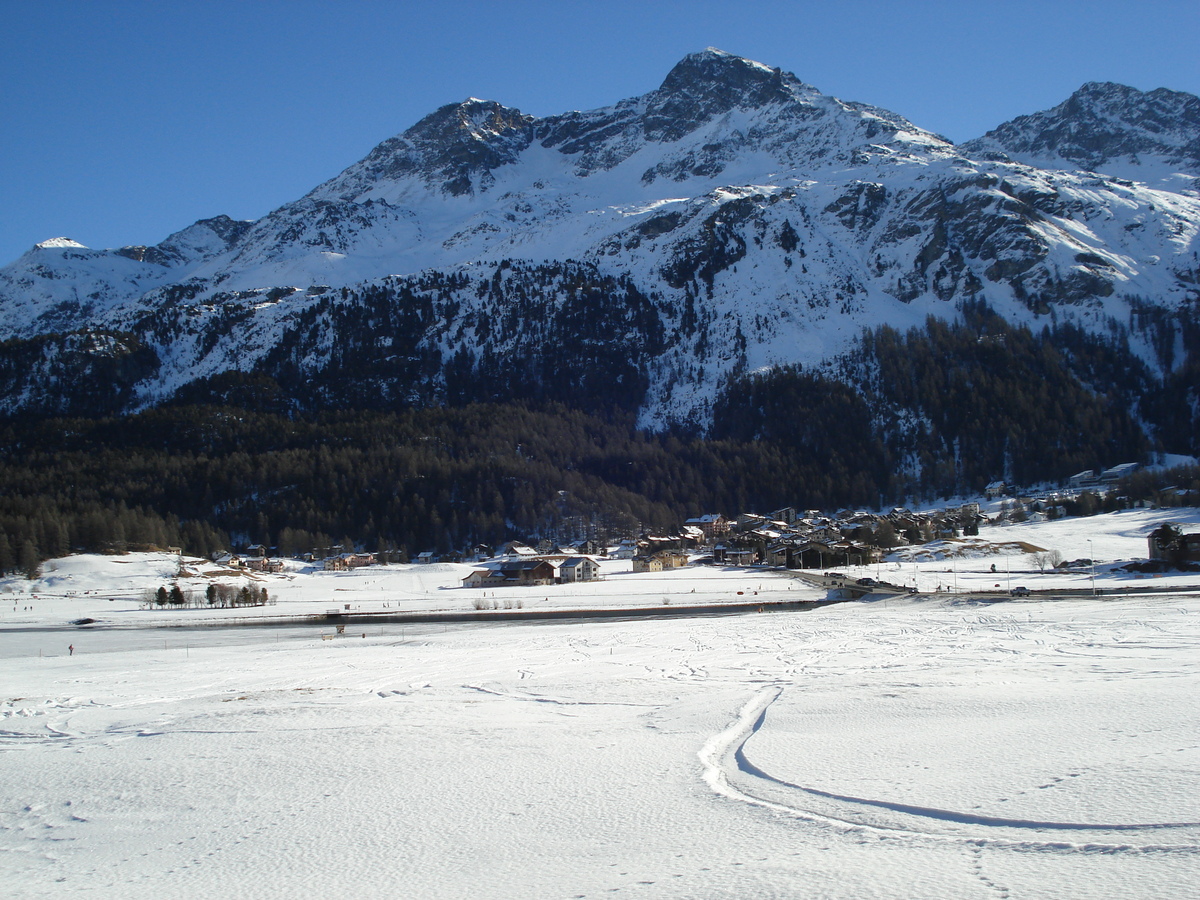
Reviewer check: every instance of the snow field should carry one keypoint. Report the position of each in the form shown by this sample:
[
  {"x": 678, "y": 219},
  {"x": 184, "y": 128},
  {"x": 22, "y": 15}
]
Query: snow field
[{"x": 922, "y": 750}]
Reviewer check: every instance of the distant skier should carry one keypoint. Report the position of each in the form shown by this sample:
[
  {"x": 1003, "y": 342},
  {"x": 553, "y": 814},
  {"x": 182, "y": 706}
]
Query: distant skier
[{"x": 71, "y": 648}]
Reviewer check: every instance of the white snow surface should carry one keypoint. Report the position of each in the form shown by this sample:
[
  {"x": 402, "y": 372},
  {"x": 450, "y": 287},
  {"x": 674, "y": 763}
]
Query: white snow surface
[{"x": 920, "y": 748}]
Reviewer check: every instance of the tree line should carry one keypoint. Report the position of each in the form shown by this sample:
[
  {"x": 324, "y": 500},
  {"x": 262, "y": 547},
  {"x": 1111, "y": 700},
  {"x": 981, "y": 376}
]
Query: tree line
[
  {"x": 205, "y": 477},
  {"x": 935, "y": 411}
]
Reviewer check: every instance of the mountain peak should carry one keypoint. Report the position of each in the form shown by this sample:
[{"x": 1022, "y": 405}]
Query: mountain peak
[
  {"x": 715, "y": 71},
  {"x": 60, "y": 243},
  {"x": 455, "y": 146},
  {"x": 712, "y": 60},
  {"x": 710, "y": 83},
  {"x": 472, "y": 119},
  {"x": 1106, "y": 127}
]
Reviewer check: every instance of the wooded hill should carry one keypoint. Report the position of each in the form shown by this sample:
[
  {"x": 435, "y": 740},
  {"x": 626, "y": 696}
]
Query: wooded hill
[{"x": 952, "y": 408}]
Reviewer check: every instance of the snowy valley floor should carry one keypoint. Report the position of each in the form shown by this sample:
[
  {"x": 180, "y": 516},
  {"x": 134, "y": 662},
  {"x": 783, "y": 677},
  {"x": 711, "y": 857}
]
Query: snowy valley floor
[{"x": 928, "y": 748}]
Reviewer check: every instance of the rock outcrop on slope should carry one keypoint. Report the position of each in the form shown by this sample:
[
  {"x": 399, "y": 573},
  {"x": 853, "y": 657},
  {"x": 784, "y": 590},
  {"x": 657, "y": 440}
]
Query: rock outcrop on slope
[{"x": 732, "y": 220}]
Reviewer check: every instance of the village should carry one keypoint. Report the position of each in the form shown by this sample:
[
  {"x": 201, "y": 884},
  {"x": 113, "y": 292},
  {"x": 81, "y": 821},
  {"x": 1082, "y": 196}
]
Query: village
[{"x": 785, "y": 538}]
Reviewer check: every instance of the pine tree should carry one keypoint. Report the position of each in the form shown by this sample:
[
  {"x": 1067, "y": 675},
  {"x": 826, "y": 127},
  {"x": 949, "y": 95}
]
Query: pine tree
[{"x": 29, "y": 562}]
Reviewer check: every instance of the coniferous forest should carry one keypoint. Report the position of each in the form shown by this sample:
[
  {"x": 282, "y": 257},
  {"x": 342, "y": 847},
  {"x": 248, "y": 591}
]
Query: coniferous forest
[{"x": 938, "y": 411}]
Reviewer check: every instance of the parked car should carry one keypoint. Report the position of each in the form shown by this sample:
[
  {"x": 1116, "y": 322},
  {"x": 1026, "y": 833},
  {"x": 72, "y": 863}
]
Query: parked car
[{"x": 1020, "y": 592}]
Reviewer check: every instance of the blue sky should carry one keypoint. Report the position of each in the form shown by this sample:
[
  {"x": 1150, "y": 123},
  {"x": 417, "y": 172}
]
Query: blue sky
[{"x": 123, "y": 121}]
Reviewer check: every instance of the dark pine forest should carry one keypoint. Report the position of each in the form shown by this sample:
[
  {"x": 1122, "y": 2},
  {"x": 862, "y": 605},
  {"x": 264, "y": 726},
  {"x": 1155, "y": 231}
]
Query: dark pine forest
[{"x": 937, "y": 411}]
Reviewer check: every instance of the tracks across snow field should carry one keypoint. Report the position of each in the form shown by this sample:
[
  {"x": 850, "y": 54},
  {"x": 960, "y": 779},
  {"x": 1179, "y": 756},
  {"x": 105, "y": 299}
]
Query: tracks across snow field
[{"x": 730, "y": 771}]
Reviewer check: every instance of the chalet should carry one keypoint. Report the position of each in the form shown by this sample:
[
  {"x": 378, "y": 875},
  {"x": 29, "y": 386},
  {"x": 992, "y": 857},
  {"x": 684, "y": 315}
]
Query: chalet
[
  {"x": 741, "y": 557},
  {"x": 1085, "y": 479},
  {"x": 476, "y": 578},
  {"x": 779, "y": 555},
  {"x": 427, "y": 557},
  {"x": 672, "y": 559},
  {"x": 995, "y": 489},
  {"x": 262, "y": 564},
  {"x": 812, "y": 555},
  {"x": 515, "y": 548},
  {"x": 945, "y": 529},
  {"x": 656, "y": 543},
  {"x": 627, "y": 549},
  {"x": 714, "y": 525},
  {"x": 530, "y": 571},
  {"x": 515, "y": 573},
  {"x": 657, "y": 562},
  {"x": 787, "y": 515},
  {"x": 1168, "y": 542},
  {"x": 578, "y": 568},
  {"x": 749, "y": 522},
  {"x": 1116, "y": 473},
  {"x": 343, "y": 562}
]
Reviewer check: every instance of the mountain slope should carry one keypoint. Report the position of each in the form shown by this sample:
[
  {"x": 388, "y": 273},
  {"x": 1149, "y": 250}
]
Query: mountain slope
[
  {"x": 732, "y": 220},
  {"x": 1152, "y": 137}
]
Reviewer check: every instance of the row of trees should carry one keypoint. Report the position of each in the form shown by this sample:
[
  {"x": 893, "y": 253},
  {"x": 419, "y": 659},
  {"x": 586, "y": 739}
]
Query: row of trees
[{"x": 216, "y": 596}]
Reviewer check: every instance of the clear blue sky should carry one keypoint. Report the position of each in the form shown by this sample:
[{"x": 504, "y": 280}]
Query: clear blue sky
[{"x": 122, "y": 121}]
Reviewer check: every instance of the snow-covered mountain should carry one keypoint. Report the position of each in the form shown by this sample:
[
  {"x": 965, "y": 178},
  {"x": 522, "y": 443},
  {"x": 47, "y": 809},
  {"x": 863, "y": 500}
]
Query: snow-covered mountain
[
  {"x": 1151, "y": 137},
  {"x": 733, "y": 219}
]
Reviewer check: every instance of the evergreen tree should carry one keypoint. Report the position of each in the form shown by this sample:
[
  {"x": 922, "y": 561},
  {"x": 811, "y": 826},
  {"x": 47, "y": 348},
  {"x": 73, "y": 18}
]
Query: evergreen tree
[{"x": 29, "y": 561}]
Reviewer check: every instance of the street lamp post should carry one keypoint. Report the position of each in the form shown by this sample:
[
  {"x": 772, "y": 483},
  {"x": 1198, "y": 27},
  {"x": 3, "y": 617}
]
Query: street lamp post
[{"x": 1092, "y": 560}]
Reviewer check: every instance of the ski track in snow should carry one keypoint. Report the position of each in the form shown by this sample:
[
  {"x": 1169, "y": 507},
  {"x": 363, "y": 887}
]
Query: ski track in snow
[{"x": 730, "y": 773}]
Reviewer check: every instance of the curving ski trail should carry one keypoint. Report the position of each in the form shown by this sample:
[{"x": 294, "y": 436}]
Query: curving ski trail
[{"x": 724, "y": 759}]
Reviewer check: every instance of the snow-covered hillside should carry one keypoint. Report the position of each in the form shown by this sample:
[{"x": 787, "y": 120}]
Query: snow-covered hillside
[{"x": 766, "y": 222}]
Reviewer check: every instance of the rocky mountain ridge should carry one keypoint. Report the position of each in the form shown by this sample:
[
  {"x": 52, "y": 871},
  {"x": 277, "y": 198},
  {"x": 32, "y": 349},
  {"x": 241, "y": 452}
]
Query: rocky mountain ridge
[
  {"x": 1153, "y": 136},
  {"x": 730, "y": 221}
]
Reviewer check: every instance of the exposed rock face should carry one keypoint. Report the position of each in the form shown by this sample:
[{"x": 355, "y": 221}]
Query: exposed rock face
[
  {"x": 1105, "y": 127},
  {"x": 734, "y": 218},
  {"x": 453, "y": 146}
]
